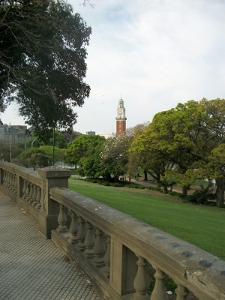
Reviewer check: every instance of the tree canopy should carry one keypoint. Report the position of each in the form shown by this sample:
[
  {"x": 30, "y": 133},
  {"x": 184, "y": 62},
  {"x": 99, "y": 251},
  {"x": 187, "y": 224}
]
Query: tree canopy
[
  {"x": 42, "y": 61},
  {"x": 80, "y": 148},
  {"x": 187, "y": 140}
]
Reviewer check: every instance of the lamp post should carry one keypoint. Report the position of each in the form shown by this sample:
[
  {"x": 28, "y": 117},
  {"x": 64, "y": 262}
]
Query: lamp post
[
  {"x": 32, "y": 143},
  {"x": 53, "y": 147}
]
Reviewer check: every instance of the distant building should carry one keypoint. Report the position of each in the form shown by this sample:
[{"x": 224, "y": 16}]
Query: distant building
[
  {"x": 121, "y": 118},
  {"x": 90, "y": 132},
  {"x": 107, "y": 134},
  {"x": 13, "y": 134}
]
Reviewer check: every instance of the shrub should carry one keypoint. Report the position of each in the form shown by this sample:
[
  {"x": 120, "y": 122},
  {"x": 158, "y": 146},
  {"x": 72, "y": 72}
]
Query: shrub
[
  {"x": 131, "y": 185},
  {"x": 117, "y": 184},
  {"x": 105, "y": 183},
  {"x": 222, "y": 206},
  {"x": 171, "y": 193},
  {"x": 203, "y": 195},
  {"x": 141, "y": 187}
]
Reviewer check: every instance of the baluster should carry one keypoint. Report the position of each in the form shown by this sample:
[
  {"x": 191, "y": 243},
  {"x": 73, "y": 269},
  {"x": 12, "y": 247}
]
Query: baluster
[
  {"x": 4, "y": 178},
  {"x": 62, "y": 219},
  {"x": 15, "y": 184},
  {"x": 34, "y": 195},
  {"x": 38, "y": 197},
  {"x": 159, "y": 291},
  {"x": 81, "y": 234},
  {"x": 89, "y": 241},
  {"x": 24, "y": 189},
  {"x": 31, "y": 200},
  {"x": 11, "y": 182},
  {"x": 7, "y": 179},
  {"x": 181, "y": 292},
  {"x": 73, "y": 229},
  {"x": 106, "y": 269},
  {"x": 99, "y": 249},
  {"x": 141, "y": 282},
  {"x": 28, "y": 191}
]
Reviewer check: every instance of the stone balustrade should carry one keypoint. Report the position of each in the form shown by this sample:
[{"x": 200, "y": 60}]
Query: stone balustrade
[
  {"x": 30, "y": 190},
  {"x": 121, "y": 254}
]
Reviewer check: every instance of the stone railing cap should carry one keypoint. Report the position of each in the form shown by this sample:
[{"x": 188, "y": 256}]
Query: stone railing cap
[{"x": 54, "y": 172}]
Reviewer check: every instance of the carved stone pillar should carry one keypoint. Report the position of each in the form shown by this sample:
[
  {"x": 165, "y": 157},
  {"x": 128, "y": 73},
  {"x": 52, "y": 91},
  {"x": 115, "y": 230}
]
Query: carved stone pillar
[
  {"x": 106, "y": 269},
  {"x": 81, "y": 234},
  {"x": 34, "y": 195},
  {"x": 38, "y": 197},
  {"x": 159, "y": 291},
  {"x": 31, "y": 193},
  {"x": 51, "y": 177},
  {"x": 141, "y": 282},
  {"x": 62, "y": 219},
  {"x": 181, "y": 292},
  {"x": 99, "y": 249},
  {"x": 89, "y": 241},
  {"x": 73, "y": 239}
]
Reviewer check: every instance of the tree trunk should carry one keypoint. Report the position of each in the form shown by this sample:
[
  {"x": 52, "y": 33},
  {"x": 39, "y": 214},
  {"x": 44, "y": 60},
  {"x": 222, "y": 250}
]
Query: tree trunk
[
  {"x": 145, "y": 175},
  {"x": 108, "y": 177},
  {"x": 184, "y": 190},
  {"x": 220, "y": 182}
]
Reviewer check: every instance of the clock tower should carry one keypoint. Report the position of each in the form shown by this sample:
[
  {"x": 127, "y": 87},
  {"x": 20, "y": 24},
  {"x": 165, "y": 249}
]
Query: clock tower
[{"x": 121, "y": 118}]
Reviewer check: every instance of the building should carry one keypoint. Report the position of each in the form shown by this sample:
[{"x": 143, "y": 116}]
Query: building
[
  {"x": 107, "y": 135},
  {"x": 121, "y": 118},
  {"x": 13, "y": 134}
]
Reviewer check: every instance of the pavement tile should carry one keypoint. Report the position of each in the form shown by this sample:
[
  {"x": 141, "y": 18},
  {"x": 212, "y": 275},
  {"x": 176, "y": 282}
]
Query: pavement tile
[{"x": 32, "y": 267}]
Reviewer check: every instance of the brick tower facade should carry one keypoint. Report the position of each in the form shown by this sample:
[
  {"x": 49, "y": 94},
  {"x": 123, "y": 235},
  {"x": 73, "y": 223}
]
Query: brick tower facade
[{"x": 121, "y": 118}]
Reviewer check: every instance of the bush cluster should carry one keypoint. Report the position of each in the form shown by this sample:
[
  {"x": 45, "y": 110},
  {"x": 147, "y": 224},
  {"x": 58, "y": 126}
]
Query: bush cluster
[{"x": 202, "y": 196}]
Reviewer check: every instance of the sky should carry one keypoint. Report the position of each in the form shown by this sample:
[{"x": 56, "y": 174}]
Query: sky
[{"x": 152, "y": 53}]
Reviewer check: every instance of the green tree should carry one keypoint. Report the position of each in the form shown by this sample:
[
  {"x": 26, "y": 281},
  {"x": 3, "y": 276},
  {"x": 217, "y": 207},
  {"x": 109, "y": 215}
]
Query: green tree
[
  {"x": 34, "y": 158},
  {"x": 79, "y": 148},
  {"x": 90, "y": 164},
  {"x": 144, "y": 155},
  {"x": 42, "y": 61},
  {"x": 59, "y": 154},
  {"x": 186, "y": 138},
  {"x": 114, "y": 157}
]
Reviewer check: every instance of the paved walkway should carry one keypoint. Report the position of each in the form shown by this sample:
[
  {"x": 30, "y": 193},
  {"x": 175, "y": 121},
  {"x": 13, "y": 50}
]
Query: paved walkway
[{"x": 32, "y": 267}]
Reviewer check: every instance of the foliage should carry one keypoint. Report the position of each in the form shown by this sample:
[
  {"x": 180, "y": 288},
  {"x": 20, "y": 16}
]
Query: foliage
[
  {"x": 8, "y": 151},
  {"x": 186, "y": 140},
  {"x": 114, "y": 156},
  {"x": 69, "y": 136},
  {"x": 35, "y": 158},
  {"x": 202, "y": 195},
  {"x": 85, "y": 151},
  {"x": 42, "y": 61},
  {"x": 90, "y": 164},
  {"x": 59, "y": 154}
]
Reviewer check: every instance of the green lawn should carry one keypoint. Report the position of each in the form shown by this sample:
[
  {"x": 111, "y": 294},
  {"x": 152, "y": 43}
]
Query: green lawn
[{"x": 200, "y": 225}]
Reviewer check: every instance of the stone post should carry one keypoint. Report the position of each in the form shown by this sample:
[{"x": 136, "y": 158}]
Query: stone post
[
  {"x": 123, "y": 268},
  {"x": 50, "y": 177}
]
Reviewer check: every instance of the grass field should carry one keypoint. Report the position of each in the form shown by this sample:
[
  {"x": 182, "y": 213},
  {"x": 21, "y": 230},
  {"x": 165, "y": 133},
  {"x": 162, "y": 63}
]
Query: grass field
[{"x": 200, "y": 225}]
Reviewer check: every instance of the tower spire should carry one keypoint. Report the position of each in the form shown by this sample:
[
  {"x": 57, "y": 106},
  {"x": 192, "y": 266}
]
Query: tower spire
[{"x": 121, "y": 118}]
